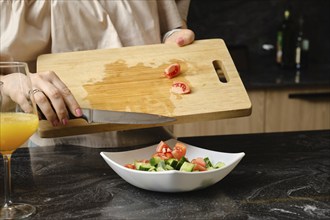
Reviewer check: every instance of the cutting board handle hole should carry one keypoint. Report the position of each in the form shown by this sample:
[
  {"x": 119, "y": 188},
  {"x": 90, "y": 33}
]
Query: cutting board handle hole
[{"x": 218, "y": 67}]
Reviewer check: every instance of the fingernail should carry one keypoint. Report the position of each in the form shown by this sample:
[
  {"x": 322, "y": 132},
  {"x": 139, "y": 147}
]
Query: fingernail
[
  {"x": 78, "y": 112},
  {"x": 180, "y": 41},
  {"x": 64, "y": 121},
  {"x": 55, "y": 123}
]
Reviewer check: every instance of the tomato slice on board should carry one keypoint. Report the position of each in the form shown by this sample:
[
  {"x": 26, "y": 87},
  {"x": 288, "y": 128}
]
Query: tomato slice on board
[
  {"x": 179, "y": 150},
  {"x": 172, "y": 70},
  {"x": 180, "y": 88}
]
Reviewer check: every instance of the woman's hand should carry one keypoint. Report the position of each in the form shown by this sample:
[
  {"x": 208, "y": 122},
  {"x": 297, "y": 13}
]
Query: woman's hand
[
  {"x": 9, "y": 88},
  {"x": 54, "y": 98},
  {"x": 181, "y": 37}
]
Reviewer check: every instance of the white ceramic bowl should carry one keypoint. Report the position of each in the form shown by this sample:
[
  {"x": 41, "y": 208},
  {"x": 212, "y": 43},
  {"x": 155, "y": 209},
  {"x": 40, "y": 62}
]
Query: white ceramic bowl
[{"x": 171, "y": 181}]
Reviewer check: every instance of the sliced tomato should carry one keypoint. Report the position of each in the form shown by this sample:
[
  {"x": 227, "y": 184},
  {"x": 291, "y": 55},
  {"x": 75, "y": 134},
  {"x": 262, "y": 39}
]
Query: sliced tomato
[
  {"x": 130, "y": 166},
  {"x": 172, "y": 70},
  {"x": 163, "y": 156},
  {"x": 179, "y": 150},
  {"x": 198, "y": 167},
  {"x": 199, "y": 160},
  {"x": 169, "y": 155},
  {"x": 180, "y": 88},
  {"x": 200, "y": 164},
  {"x": 162, "y": 147}
]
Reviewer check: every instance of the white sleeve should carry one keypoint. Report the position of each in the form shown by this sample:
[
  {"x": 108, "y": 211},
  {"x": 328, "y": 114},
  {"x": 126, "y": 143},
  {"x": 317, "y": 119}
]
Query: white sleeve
[
  {"x": 183, "y": 7},
  {"x": 25, "y": 29}
]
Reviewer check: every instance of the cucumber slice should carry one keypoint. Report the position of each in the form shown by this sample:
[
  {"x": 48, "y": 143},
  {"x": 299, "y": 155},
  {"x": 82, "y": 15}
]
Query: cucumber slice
[
  {"x": 137, "y": 165},
  {"x": 155, "y": 160},
  {"x": 168, "y": 167},
  {"x": 152, "y": 169},
  {"x": 172, "y": 162},
  {"x": 208, "y": 162},
  {"x": 219, "y": 165},
  {"x": 145, "y": 166},
  {"x": 187, "y": 167},
  {"x": 161, "y": 166},
  {"x": 181, "y": 161}
]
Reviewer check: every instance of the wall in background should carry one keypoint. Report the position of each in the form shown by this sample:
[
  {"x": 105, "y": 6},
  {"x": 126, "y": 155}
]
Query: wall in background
[{"x": 252, "y": 23}]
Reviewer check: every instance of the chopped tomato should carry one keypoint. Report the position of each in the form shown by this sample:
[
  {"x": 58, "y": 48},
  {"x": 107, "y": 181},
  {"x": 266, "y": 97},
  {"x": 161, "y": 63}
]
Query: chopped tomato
[
  {"x": 179, "y": 150},
  {"x": 180, "y": 88},
  {"x": 162, "y": 147},
  {"x": 199, "y": 160},
  {"x": 130, "y": 166},
  {"x": 199, "y": 167},
  {"x": 169, "y": 155},
  {"x": 163, "y": 151},
  {"x": 163, "y": 156},
  {"x": 200, "y": 164},
  {"x": 172, "y": 71}
]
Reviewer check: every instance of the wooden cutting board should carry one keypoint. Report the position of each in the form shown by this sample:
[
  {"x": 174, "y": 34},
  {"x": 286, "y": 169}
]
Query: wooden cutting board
[{"x": 131, "y": 79}]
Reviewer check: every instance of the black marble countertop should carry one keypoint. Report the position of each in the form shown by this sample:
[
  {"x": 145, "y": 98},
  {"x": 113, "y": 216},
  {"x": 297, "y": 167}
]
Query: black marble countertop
[{"x": 282, "y": 176}]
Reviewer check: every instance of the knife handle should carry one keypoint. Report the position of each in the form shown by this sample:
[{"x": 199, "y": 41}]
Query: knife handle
[{"x": 71, "y": 116}]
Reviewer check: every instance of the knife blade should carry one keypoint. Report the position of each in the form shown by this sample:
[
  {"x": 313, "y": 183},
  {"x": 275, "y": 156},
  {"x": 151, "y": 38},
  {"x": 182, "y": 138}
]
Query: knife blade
[{"x": 121, "y": 117}]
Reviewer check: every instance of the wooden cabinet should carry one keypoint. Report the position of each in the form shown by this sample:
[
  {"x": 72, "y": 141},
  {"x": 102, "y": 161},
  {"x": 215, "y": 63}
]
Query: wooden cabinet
[
  {"x": 293, "y": 109},
  {"x": 250, "y": 124},
  {"x": 273, "y": 110}
]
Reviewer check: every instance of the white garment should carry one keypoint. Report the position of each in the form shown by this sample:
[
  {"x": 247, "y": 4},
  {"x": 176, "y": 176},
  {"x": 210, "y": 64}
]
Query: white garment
[{"x": 33, "y": 27}]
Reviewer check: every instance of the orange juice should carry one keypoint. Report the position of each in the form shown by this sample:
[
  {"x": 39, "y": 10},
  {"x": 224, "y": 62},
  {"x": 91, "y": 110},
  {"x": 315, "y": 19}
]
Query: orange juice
[{"x": 15, "y": 129}]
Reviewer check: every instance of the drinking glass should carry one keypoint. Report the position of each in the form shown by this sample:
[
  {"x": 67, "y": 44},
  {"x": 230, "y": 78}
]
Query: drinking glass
[{"x": 18, "y": 121}]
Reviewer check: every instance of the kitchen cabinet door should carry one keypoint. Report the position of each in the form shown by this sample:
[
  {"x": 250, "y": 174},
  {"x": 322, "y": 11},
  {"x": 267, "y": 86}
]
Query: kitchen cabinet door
[
  {"x": 250, "y": 124},
  {"x": 297, "y": 109}
]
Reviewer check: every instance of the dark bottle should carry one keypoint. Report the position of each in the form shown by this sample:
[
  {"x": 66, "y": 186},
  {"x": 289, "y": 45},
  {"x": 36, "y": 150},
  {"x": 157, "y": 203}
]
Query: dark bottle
[
  {"x": 302, "y": 47},
  {"x": 285, "y": 55}
]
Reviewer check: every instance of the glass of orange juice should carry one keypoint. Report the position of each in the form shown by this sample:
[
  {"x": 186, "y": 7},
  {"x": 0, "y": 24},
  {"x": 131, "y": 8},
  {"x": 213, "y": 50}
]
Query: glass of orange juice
[{"x": 18, "y": 121}]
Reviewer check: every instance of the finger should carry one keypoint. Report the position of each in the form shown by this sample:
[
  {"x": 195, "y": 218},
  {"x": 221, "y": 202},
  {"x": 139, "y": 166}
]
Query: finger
[
  {"x": 13, "y": 94},
  {"x": 23, "y": 101},
  {"x": 185, "y": 37},
  {"x": 46, "y": 107},
  {"x": 68, "y": 97},
  {"x": 50, "y": 102},
  {"x": 57, "y": 103},
  {"x": 182, "y": 37},
  {"x": 58, "y": 94}
]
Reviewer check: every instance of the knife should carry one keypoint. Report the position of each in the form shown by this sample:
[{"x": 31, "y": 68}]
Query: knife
[{"x": 121, "y": 117}]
